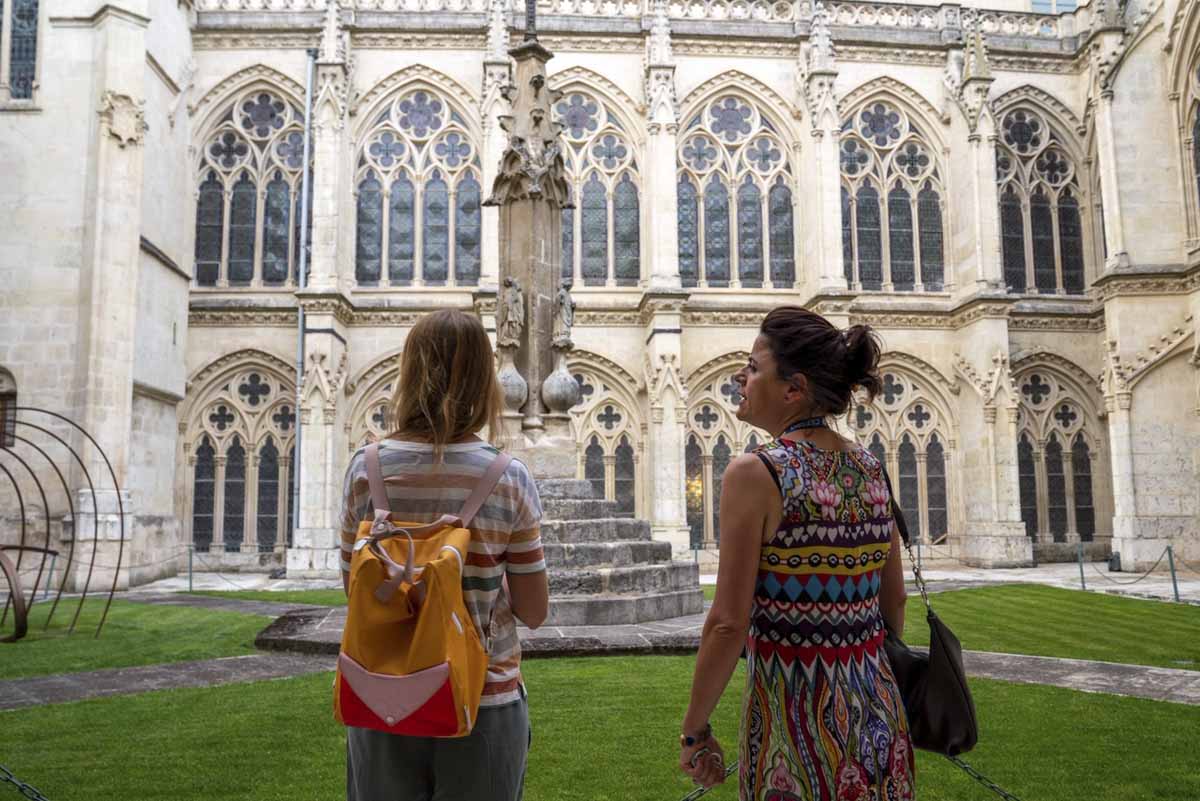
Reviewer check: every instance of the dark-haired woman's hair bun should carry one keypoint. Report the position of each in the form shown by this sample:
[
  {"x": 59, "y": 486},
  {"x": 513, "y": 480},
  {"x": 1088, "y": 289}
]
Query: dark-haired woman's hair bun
[{"x": 862, "y": 358}]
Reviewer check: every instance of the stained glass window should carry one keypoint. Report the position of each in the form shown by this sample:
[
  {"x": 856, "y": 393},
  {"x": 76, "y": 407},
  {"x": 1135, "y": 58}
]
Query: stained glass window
[
  {"x": 909, "y": 489},
  {"x": 1012, "y": 240},
  {"x": 23, "y": 65},
  {"x": 419, "y": 154},
  {"x": 203, "y": 495},
  {"x": 721, "y": 457},
  {"x": 468, "y": 227},
  {"x": 1027, "y": 485},
  {"x": 593, "y": 467},
  {"x": 268, "y": 497},
  {"x": 369, "y": 242},
  {"x": 276, "y": 231},
  {"x": 1056, "y": 489},
  {"x": 693, "y": 459},
  {"x": 568, "y": 243},
  {"x": 296, "y": 232},
  {"x": 626, "y": 232},
  {"x": 243, "y": 208},
  {"x": 624, "y": 479},
  {"x": 933, "y": 260},
  {"x": 688, "y": 215},
  {"x": 900, "y": 239},
  {"x": 935, "y": 488},
  {"x": 1070, "y": 240},
  {"x": 1085, "y": 507},
  {"x": 435, "y": 239},
  {"x": 752, "y": 443},
  {"x": 210, "y": 216},
  {"x": 235, "y": 495},
  {"x": 870, "y": 247},
  {"x": 716, "y": 232},
  {"x": 402, "y": 227},
  {"x": 783, "y": 245},
  {"x": 750, "y": 244},
  {"x": 878, "y": 450},
  {"x": 733, "y": 155},
  {"x": 594, "y": 234},
  {"x": 1033, "y": 167},
  {"x": 847, "y": 238},
  {"x": 1042, "y": 223}
]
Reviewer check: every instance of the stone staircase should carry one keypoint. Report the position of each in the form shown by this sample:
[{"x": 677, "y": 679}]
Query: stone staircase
[{"x": 605, "y": 570}]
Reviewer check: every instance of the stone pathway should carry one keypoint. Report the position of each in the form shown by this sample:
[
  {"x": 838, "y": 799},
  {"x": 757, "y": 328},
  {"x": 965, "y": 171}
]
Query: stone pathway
[{"x": 64, "y": 687}]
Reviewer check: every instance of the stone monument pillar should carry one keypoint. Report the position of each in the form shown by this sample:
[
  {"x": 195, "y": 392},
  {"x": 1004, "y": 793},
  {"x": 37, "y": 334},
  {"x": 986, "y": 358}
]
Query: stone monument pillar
[{"x": 534, "y": 312}]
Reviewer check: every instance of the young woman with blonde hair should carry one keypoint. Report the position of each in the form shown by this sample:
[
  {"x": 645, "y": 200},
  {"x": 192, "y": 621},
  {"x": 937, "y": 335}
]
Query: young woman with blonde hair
[{"x": 446, "y": 394}]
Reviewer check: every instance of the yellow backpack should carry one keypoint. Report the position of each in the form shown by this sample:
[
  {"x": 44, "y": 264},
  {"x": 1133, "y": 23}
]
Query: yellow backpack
[{"x": 411, "y": 661}]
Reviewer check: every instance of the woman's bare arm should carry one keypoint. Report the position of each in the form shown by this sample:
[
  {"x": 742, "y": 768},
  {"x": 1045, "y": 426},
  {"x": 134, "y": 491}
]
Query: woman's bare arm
[{"x": 892, "y": 595}]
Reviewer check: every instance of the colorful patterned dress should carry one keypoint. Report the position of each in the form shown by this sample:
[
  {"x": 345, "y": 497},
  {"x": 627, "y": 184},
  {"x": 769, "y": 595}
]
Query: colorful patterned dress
[{"x": 822, "y": 718}]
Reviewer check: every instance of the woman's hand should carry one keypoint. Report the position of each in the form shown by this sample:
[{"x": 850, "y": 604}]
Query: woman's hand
[{"x": 704, "y": 762}]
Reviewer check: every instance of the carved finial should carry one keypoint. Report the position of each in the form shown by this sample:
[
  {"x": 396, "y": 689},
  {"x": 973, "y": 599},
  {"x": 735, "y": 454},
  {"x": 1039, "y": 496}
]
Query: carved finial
[
  {"x": 658, "y": 46},
  {"x": 531, "y": 20},
  {"x": 1108, "y": 14},
  {"x": 332, "y": 41},
  {"x": 821, "y": 54},
  {"x": 975, "y": 60}
]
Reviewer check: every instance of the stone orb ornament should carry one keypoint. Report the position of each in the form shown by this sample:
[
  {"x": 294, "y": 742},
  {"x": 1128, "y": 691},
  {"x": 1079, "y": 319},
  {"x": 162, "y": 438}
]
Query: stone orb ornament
[{"x": 560, "y": 390}]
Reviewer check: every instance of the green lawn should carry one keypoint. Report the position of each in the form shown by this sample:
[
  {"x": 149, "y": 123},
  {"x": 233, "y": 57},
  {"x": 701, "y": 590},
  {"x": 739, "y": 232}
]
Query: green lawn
[
  {"x": 314, "y": 597},
  {"x": 134, "y": 634},
  {"x": 598, "y": 736}
]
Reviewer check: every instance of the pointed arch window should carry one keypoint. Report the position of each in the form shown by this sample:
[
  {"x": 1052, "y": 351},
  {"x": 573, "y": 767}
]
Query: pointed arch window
[
  {"x": 18, "y": 63},
  {"x": 735, "y": 208},
  {"x": 417, "y": 182},
  {"x": 625, "y": 481},
  {"x": 892, "y": 207},
  {"x": 603, "y": 171},
  {"x": 721, "y": 456},
  {"x": 1085, "y": 508},
  {"x": 1027, "y": 485},
  {"x": 1056, "y": 488},
  {"x": 267, "y": 524},
  {"x": 1042, "y": 238},
  {"x": 693, "y": 458},
  {"x": 909, "y": 485},
  {"x": 248, "y": 194},
  {"x": 235, "y": 494},
  {"x": 203, "y": 495},
  {"x": 593, "y": 467}
]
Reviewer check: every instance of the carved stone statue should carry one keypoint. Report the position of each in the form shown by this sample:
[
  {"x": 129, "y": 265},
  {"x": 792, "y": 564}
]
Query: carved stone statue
[
  {"x": 512, "y": 314},
  {"x": 564, "y": 317}
]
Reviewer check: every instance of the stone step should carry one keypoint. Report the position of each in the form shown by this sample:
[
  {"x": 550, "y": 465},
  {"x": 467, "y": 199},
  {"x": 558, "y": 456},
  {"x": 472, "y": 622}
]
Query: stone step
[
  {"x": 605, "y": 529},
  {"x": 577, "y": 509},
  {"x": 632, "y": 580},
  {"x": 614, "y": 610},
  {"x": 569, "y": 488},
  {"x": 606, "y": 554}
]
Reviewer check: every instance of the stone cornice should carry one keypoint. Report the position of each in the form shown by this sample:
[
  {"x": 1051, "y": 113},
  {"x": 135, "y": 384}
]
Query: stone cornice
[{"x": 1168, "y": 280}]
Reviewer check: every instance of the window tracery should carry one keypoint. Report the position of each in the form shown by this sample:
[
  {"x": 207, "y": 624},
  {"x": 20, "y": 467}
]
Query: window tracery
[
  {"x": 602, "y": 169},
  {"x": 608, "y": 431},
  {"x": 734, "y": 194},
  {"x": 1042, "y": 239},
  {"x": 248, "y": 202},
  {"x": 909, "y": 429},
  {"x": 418, "y": 196},
  {"x": 242, "y": 439},
  {"x": 1058, "y": 445},
  {"x": 18, "y": 65},
  {"x": 892, "y": 203}
]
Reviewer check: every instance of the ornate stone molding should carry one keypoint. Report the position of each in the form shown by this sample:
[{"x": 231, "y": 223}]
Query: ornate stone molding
[
  {"x": 999, "y": 378},
  {"x": 737, "y": 82},
  {"x": 385, "y": 365},
  {"x": 899, "y": 91},
  {"x": 400, "y": 40},
  {"x": 750, "y": 319},
  {"x": 216, "y": 96},
  {"x": 606, "y": 317},
  {"x": 1084, "y": 322},
  {"x": 123, "y": 118},
  {"x": 241, "y": 318},
  {"x": 418, "y": 75},
  {"x": 1038, "y": 358},
  {"x": 589, "y": 79},
  {"x": 757, "y": 48},
  {"x": 603, "y": 364},
  {"x": 1111, "y": 286},
  {"x": 659, "y": 377},
  {"x": 591, "y": 43},
  {"x": 262, "y": 40},
  {"x": 1143, "y": 362},
  {"x": 339, "y": 307},
  {"x": 1039, "y": 98},
  {"x": 239, "y": 358},
  {"x": 705, "y": 371},
  {"x": 920, "y": 367}
]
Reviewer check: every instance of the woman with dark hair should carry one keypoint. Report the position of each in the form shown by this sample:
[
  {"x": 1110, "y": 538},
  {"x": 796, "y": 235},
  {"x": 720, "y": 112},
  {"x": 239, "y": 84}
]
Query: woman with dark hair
[
  {"x": 809, "y": 576},
  {"x": 446, "y": 395}
]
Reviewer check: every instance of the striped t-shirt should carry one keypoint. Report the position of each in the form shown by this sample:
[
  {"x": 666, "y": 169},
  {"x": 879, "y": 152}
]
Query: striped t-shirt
[{"x": 505, "y": 534}]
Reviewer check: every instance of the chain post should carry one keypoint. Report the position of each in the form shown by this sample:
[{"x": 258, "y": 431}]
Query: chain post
[
  {"x": 1079, "y": 553},
  {"x": 1171, "y": 564},
  {"x": 191, "y": 552}
]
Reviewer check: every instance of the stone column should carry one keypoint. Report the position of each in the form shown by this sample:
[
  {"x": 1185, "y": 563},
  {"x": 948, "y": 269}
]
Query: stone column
[
  {"x": 662, "y": 314},
  {"x": 497, "y": 73},
  {"x": 330, "y": 167}
]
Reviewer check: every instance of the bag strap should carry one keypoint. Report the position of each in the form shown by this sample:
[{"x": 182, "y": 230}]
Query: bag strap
[
  {"x": 379, "y": 498},
  {"x": 487, "y": 483},
  {"x": 898, "y": 515}
]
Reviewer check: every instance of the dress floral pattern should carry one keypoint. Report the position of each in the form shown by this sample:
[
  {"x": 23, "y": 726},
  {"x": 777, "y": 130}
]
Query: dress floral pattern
[{"x": 822, "y": 718}]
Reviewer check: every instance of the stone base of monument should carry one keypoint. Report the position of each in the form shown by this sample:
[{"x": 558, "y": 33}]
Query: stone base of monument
[{"x": 605, "y": 570}]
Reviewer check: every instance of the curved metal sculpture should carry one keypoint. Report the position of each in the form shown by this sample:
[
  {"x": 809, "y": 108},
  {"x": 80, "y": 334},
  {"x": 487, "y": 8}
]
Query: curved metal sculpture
[{"x": 11, "y": 570}]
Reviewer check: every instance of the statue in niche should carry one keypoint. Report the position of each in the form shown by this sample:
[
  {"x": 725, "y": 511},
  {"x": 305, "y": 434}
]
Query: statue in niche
[
  {"x": 512, "y": 314},
  {"x": 564, "y": 317}
]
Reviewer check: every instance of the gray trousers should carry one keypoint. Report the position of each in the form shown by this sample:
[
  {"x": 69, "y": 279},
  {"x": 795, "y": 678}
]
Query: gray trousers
[{"x": 487, "y": 765}]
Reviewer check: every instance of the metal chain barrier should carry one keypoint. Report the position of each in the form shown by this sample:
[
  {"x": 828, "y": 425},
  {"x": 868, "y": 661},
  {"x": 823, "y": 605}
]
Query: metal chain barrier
[
  {"x": 984, "y": 780},
  {"x": 1186, "y": 566},
  {"x": 26, "y": 790},
  {"x": 1142, "y": 577}
]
